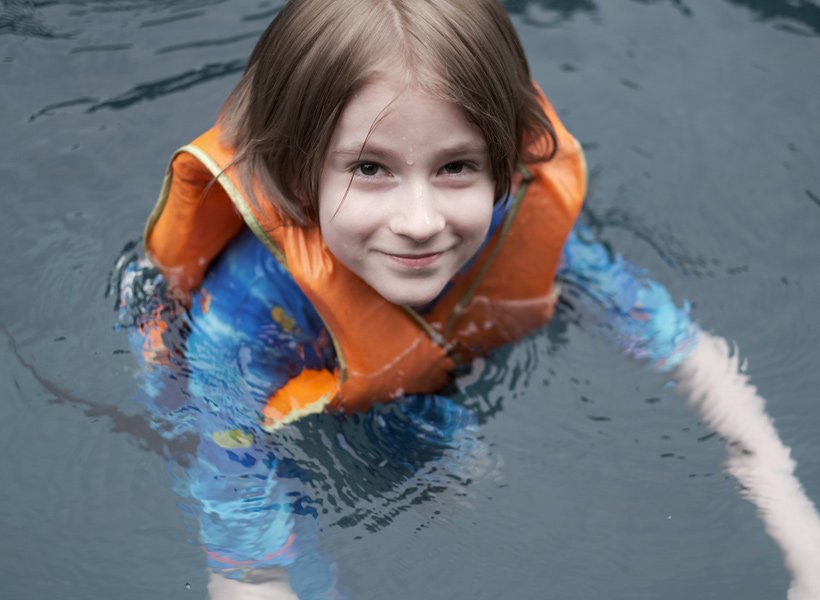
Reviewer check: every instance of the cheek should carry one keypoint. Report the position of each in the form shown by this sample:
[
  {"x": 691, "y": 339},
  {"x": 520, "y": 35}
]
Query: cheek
[
  {"x": 347, "y": 226},
  {"x": 343, "y": 238},
  {"x": 473, "y": 217}
]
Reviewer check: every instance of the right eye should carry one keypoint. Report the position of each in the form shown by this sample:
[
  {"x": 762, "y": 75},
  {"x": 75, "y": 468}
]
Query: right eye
[{"x": 367, "y": 169}]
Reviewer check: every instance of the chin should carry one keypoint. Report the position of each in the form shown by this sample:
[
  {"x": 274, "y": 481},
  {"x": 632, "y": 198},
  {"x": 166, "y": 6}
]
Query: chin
[{"x": 409, "y": 294}]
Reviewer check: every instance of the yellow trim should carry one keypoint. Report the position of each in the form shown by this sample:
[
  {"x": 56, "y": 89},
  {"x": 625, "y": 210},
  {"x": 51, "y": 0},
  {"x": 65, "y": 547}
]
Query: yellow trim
[
  {"x": 434, "y": 335},
  {"x": 159, "y": 206},
  {"x": 233, "y": 439},
  {"x": 313, "y": 408},
  {"x": 582, "y": 155},
  {"x": 340, "y": 357},
  {"x": 237, "y": 199}
]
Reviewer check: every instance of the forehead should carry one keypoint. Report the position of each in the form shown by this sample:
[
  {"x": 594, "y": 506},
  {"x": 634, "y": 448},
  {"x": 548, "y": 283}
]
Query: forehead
[{"x": 389, "y": 112}]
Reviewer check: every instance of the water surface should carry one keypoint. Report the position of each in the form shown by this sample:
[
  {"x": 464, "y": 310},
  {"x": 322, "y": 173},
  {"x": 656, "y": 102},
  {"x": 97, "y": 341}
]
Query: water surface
[{"x": 701, "y": 122}]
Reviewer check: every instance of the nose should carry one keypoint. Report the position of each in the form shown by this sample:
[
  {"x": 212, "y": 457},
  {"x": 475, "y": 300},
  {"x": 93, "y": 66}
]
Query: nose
[{"x": 416, "y": 214}]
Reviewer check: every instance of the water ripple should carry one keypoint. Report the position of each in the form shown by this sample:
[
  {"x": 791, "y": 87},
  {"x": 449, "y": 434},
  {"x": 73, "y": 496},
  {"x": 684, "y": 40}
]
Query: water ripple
[
  {"x": 152, "y": 90},
  {"x": 563, "y": 10},
  {"x": 672, "y": 250},
  {"x": 101, "y": 48},
  {"x": 19, "y": 17},
  {"x": 365, "y": 470},
  {"x": 801, "y": 15},
  {"x": 268, "y": 14},
  {"x": 207, "y": 43},
  {"x": 172, "y": 18}
]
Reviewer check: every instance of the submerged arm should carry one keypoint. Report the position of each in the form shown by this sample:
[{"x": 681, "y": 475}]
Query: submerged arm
[
  {"x": 248, "y": 335},
  {"x": 712, "y": 380},
  {"x": 253, "y": 335},
  {"x": 623, "y": 304},
  {"x": 639, "y": 316}
]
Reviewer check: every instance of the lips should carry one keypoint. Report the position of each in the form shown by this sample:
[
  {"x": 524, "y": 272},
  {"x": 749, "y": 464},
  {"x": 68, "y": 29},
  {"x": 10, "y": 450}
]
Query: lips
[{"x": 415, "y": 261}]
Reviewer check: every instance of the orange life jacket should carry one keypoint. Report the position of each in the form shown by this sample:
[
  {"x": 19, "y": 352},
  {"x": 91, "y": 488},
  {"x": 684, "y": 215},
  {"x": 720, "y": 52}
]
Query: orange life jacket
[{"x": 383, "y": 350}]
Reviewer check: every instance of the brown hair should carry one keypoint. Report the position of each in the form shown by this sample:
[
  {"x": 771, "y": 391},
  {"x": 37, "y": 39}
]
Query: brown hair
[{"x": 316, "y": 54}]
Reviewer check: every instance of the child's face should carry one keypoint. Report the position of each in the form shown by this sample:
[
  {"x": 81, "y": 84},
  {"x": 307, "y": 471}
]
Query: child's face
[{"x": 409, "y": 212}]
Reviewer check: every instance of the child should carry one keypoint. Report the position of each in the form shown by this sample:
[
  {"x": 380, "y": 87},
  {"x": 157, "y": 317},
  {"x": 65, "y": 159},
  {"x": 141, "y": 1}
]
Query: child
[{"x": 385, "y": 196}]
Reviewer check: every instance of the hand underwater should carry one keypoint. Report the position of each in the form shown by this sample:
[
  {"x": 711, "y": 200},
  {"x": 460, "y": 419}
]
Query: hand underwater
[{"x": 272, "y": 584}]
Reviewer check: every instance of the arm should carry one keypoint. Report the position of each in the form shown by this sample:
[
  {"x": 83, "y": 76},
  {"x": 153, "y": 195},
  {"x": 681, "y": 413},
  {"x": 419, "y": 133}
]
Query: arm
[
  {"x": 271, "y": 584},
  {"x": 712, "y": 380},
  {"x": 639, "y": 316},
  {"x": 622, "y": 304},
  {"x": 250, "y": 333},
  {"x": 253, "y": 334}
]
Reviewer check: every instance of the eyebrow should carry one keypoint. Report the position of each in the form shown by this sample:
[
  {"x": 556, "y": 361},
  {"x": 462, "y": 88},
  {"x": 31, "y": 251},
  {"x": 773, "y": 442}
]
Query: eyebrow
[{"x": 386, "y": 153}]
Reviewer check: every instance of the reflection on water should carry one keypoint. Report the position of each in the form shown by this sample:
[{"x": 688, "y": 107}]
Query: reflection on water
[{"x": 366, "y": 470}]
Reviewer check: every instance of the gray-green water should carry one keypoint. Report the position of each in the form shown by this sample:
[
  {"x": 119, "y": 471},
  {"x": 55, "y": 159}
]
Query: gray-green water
[{"x": 701, "y": 122}]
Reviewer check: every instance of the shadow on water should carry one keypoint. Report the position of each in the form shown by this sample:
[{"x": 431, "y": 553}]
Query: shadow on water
[{"x": 137, "y": 427}]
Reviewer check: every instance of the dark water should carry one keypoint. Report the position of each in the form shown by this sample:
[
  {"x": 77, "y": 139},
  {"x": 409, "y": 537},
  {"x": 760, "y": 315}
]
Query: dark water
[{"x": 701, "y": 122}]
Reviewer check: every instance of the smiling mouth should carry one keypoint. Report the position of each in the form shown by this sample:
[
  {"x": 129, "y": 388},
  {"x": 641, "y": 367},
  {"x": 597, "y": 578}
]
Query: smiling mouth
[{"x": 415, "y": 261}]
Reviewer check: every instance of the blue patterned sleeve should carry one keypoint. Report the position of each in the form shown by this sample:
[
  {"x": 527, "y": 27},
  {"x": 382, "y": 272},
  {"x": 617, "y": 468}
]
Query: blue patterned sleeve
[
  {"x": 209, "y": 371},
  {"x": 624, "y": 304},
  {"x": 251, "y": 330}
]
